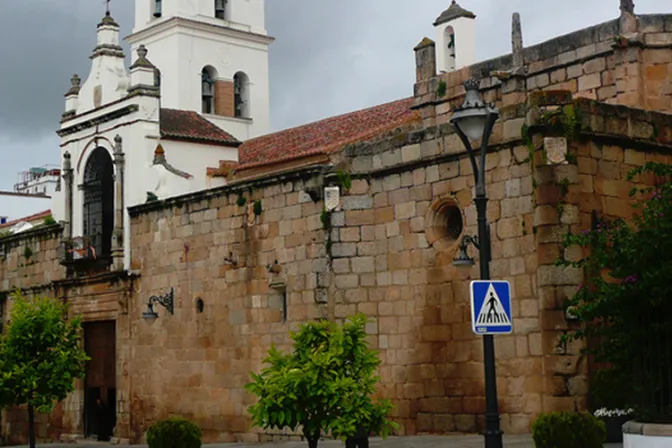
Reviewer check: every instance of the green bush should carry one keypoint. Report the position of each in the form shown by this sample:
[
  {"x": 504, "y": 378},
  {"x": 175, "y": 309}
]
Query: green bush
[
  {"x": 568, "y": 430},
  {"x": 174, "y": 433}
]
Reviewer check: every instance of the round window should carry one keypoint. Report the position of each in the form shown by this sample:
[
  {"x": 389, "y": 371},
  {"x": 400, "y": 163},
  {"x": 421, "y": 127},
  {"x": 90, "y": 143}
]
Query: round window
[{"x": 444, "y": 222}]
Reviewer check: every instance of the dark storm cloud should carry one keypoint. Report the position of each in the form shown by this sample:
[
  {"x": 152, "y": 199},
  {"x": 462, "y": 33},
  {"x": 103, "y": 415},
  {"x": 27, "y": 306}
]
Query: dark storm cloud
[
  {"x": 42, "y": 44},
  {"x": 330, "y": 57}
]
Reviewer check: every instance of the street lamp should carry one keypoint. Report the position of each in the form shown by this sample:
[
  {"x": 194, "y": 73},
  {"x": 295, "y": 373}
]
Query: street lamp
[{"x": 474, "y": 120}]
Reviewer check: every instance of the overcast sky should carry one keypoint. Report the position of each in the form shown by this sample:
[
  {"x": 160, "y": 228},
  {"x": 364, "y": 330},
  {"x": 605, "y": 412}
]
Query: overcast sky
[{"x": 329, "y": 56}]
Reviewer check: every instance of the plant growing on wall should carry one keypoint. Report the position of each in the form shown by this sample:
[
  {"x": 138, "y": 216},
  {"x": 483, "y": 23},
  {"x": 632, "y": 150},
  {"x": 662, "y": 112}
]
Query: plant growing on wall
[
  {"x": 625, "y": 304},
  {"x": 49, "y": 221},
  {"x": 241, "y": 201},
  {"x": 257, "y": 207},
  {"x": 325, "y": 385},
  {"x": 441, "y": 89},
  {"x": 40, "y": 356},
  {"x": 345, "y": 179},
  {"x": 27, "y": 252}
]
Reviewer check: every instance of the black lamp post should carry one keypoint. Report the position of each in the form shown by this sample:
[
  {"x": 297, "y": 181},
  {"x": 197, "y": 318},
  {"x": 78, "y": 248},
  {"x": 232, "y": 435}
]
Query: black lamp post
[{"x": 474, "y": 120}]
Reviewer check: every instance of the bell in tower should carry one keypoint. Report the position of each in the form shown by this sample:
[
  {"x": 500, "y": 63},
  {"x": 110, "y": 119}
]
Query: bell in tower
[{"x": 220, "y": 9}]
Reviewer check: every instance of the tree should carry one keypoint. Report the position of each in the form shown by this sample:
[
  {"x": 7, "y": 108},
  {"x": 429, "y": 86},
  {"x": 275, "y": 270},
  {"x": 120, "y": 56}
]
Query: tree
[
  {"x": 625, "y": 305},
  {"x": 325, "y": 385},
  {"x": 40, "y": 356}
]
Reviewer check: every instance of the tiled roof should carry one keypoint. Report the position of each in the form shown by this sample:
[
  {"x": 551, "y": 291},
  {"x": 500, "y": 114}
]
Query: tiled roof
[
  {"x": 189, "y": 126},
  {"x": 30, "y": 219},
  {"x": 326, "y": 136}
]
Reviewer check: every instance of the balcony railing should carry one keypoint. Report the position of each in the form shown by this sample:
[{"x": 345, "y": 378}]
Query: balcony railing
[{"x": 80, "y": 254}]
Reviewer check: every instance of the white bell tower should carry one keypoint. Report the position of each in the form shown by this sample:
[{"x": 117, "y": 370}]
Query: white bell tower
[
  {"x": 211, "y": 57},
  {"x": 455, "y": 38}
]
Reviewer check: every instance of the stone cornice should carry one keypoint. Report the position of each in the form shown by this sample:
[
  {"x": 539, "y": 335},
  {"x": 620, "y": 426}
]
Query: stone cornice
[
  {"x": 108, "y": 50},
  {"x": 233, "y": 188},
  {"x": 110, "y": 116},
  {"x": 196, "y": 25},
  {"x": 36, "y": 232}
]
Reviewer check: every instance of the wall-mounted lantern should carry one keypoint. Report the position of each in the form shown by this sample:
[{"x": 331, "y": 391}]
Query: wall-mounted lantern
[{"x": 165, "y": 300}]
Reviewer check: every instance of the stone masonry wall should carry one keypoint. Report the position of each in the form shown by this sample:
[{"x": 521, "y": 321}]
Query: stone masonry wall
[
  {"x": 30, "y": 261},
  {"x": 392, "y": 260},
  {"x": 586, "y": 183},
  {"x": 244, "y": 267},
  {"x": 598, "y": 63}
]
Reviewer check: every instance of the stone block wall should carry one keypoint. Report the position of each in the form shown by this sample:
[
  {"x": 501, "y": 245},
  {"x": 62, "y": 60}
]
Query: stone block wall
[
  {"x": 30, "y": 261},
  {"x": 572, "y": 193},
  {"x": 246, "y": 268},
  {"x": 393, "y": 249},
  {"x": 598, "y": 63},
  {"x": 26, "y": 260},
  {"x": 30, "y": 258}
]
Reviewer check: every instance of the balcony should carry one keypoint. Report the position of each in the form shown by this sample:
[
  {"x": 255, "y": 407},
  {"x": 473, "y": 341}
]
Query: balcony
[{"x": 80, "y": 254}]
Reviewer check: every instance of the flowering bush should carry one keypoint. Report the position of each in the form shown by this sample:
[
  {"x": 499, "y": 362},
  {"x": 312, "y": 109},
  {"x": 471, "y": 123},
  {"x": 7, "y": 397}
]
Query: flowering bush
[
  {"x": 604, "y": 412},
  {"x": 625, "y": 304}
]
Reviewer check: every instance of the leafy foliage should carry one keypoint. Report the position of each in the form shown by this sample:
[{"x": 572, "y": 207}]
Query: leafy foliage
[
  {"x": 174, "y": 433},
  {"x": 625, "y": 304},
  {"x": 568, "y": 430},
  {"x": 325, "y": 384},
  {"x": 345, "y": 179},
  {"x": 49, "y": 221},
  {"x": 40, "y": 356}
]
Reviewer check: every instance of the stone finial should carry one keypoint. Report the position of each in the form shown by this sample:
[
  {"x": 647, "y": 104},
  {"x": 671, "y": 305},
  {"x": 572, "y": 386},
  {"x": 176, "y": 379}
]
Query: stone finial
[
  {"x": 142, "y": 60},
  {"x": 67, "y": 165},
  {"x": 159, "y": 155},
  {"x": 142, "y": 51},
  {"x": 76, "y": 84},
  {"x": 517, "y": 42},
  {"x": 424, "y": 43},
  {"x": 627, "y": 6},
  {"x": 425, "y": 60},
  {"x": 629, "y": 23},
  {"x": 108, "y": 21},
  {"x": 117, "y": 144}
]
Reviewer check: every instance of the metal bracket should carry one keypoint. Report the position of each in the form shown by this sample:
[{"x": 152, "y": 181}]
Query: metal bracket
[{"x": 165, "y": 300}]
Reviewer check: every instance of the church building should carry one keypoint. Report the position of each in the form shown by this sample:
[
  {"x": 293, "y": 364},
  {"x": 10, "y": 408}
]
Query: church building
[{"x": 190, "y": 239}]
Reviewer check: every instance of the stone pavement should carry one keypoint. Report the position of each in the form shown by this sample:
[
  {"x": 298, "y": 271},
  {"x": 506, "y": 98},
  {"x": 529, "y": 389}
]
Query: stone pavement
[{"x": 391, "y": 442}]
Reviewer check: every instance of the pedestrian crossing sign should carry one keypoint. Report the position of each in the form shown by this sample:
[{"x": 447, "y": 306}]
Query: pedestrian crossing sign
[{"x": 491, "y": 307}]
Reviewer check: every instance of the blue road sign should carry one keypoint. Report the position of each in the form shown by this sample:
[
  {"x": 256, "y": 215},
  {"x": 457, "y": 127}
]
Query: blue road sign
[{"x": 491, "y": 307}]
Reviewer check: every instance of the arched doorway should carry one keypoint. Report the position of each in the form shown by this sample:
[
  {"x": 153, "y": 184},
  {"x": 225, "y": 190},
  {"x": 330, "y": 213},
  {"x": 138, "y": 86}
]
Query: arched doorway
[{"x": 98, "y": 210}]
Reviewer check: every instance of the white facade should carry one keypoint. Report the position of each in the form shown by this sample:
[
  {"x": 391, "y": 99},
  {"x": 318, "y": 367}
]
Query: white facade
[
  {"x": 42, "y": 180},
  {"x": 114, "y": 103},
  {"x": 462, "y": 31},
  {"x": 187, "y": 38}
]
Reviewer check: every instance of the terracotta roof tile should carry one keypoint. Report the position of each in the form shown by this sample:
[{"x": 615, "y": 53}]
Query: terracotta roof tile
[
  {"x": 190, "y": 126},
  {"x": 31, "y": 218},
  {"x": 326, "y": 136}
]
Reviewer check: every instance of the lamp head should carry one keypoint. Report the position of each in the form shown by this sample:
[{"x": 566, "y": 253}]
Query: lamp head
[
  {"x": 150, "y": 314},
  {"x": 472, "y": 116}
]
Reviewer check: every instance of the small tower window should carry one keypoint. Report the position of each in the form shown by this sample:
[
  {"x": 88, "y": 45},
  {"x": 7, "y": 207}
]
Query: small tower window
[
  {"x": 451, "y": 62},
  {"x": 208, "y": 90},
  {"x": 241, "y": 95},
  {"x": 157, "y": 8},
  {"x": 220, "y": 9}
]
